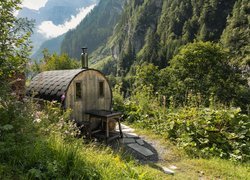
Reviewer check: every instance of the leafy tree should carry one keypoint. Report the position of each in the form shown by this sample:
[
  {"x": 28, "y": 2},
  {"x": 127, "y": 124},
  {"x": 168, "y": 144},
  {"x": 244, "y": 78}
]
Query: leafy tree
[
  {"x": 14, "y": 40},
  {"x": 202, "y": 68},
  {"x": 57, "y": 62},
  {"x": 147, "y": 74}
]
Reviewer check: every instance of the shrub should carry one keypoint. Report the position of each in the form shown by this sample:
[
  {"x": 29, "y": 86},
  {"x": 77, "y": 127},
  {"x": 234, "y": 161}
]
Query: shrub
[
  {"x": 206, "y": 132},
  {"x": 203, "y": 68},
  {"x": 203, "y": 132}
]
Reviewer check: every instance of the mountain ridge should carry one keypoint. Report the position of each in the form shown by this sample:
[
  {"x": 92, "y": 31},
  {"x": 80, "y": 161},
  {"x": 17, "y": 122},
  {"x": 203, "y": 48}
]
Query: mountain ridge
[
  {"x": 55, "y": 11},
  {"x": 122, "y": 35}
]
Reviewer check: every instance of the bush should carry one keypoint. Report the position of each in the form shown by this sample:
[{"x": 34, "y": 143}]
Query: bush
[
  {"x": 206, "y": 132},
  {"x": 209, "y": 132},
  {"x": 203, "y": 68},
  {"x": 203, "y": 132}
]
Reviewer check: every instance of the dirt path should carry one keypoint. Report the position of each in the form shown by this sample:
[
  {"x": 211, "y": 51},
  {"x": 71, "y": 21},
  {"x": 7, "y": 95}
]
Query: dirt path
[{"x": 144, "y": 149}]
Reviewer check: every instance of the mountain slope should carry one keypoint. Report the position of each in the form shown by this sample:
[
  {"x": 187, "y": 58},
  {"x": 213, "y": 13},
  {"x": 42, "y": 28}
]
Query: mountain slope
[
  {"x": 94, "y": 30},
  {"x": 53, "y": 45},
  {"x": 236, "y": 35},
  {"x": 152, "y": 31}
]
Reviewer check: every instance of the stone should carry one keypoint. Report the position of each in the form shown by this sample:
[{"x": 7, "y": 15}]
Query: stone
[
  {"x": 167, "y": 171},
  {"x": 144, "y": 151},
  {"x": 173, "y": 167},
  {"x": 131, "y": 135},
  {"x": 128, "y": 140},
  {"x": 124, "y": 126},
  {"x": 140, "y": 141},
  {"x": 128, "y": 130}
]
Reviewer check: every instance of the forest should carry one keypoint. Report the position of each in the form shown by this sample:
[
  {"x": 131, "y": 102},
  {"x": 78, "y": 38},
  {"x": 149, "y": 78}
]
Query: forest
[{"x": 179, "y": 72}]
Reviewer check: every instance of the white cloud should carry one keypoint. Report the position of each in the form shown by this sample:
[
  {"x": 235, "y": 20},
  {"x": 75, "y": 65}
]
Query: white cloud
[
  {"x": 34, "y": 5},
  {"x": 50, "y": 30}
]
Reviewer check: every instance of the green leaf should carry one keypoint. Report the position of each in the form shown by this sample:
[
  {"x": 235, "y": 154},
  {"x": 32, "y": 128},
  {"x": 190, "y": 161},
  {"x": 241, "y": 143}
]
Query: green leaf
[{"x": 7, "y": 127}]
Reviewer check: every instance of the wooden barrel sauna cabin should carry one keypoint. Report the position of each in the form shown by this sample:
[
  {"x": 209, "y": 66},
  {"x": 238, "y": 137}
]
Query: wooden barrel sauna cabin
[{"x": 81, "y": 90}]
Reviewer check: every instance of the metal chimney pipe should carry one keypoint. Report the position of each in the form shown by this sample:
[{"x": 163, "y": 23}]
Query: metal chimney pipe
[{"x": 84, "y": 57}]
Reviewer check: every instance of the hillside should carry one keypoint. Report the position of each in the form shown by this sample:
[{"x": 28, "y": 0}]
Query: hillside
[
  {"x": 189, "y": 120},
  {"x": 153, "y": 31},
  {"x": 94, "y": 30},
  {"x": 53, "y": 45}
]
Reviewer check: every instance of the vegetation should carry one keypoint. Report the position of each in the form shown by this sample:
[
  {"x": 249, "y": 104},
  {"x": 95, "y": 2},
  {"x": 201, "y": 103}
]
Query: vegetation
[
  {"x": 153, "y": 31},
  {"x": 14, "y": 44},
  {"x": 54, "y": 62},
  {"x": 94, "y": 30},
  {"x": 42, "y": 144},
  {"x": 236, "y": 34},
  {"x": 204, "y": 69},
  {"x": 192, "y": 102},
  {"x": 201, "y": 131},
  {"x": 197, "y": 96}
]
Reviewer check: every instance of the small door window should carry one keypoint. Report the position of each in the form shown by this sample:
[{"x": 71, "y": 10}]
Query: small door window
[
  {"x": 101, "y": 88},
  {"x": 78, "y": 89}
]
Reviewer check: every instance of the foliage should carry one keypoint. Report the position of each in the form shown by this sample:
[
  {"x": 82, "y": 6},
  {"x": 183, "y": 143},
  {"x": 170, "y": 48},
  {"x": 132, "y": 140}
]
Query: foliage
[
  {"x": 147, "y": 74},
  {"x": 203, "y": 132},
  {"x": 236, "y": 34},
  {"x": 43, "y": 144},
  {"x": 14, "y": 40},
  {"x": 117, "y": 97},
  {"x": 153, "y": 31},
  {"x": 137, "y": 106},
  {"x": 202, "y": 68},
  {"x": 56, "y": 62}
]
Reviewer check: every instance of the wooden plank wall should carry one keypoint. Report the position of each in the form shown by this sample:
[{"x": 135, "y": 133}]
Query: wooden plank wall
[{"x": 90, "y": 100}]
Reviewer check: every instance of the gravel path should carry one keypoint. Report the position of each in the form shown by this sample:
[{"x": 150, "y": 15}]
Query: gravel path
[{"x": 140, "y": 147}]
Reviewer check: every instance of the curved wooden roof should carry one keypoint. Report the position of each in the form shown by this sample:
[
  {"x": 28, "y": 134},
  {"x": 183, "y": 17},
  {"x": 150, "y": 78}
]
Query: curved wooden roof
[{"x": 50, "y": 85}]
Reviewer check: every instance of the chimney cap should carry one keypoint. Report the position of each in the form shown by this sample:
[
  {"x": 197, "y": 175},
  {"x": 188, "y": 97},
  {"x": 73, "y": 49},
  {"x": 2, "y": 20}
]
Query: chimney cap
[{"x": 84, "y": 48}]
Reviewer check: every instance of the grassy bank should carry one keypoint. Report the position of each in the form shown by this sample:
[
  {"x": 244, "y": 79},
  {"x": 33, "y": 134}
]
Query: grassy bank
[
  {"x": 37, "y": 144},
  {"x": 195, "y": 168}
]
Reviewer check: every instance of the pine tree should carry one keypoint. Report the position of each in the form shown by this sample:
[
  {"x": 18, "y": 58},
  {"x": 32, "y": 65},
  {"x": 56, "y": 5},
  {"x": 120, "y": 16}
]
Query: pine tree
[{"x": 236, "y": 36}]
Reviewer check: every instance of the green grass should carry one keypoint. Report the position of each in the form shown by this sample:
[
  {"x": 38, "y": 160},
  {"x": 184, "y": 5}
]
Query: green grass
[
  {"x": 50, "y": 150},
  {"x": 191, "y": 168},
  {"x": 211, "y": 169},
  {"x": 56, "y": 159},
  {"x": 47, "y": 153}
]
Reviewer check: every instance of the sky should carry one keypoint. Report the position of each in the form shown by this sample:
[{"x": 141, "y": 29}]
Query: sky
[
  {"x": 47, "y": 28},
  {"x": 34, "y": 4},
  {"x": 50, "y": 30}
]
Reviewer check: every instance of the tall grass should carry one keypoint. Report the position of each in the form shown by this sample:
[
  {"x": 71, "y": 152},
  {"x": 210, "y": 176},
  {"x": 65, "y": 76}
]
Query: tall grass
[{"x": 42, "y": 144}]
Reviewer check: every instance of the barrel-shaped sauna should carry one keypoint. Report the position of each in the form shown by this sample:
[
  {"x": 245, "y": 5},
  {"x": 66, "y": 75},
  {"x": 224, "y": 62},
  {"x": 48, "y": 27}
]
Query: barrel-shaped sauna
[{"x": 79, "y": 89}]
